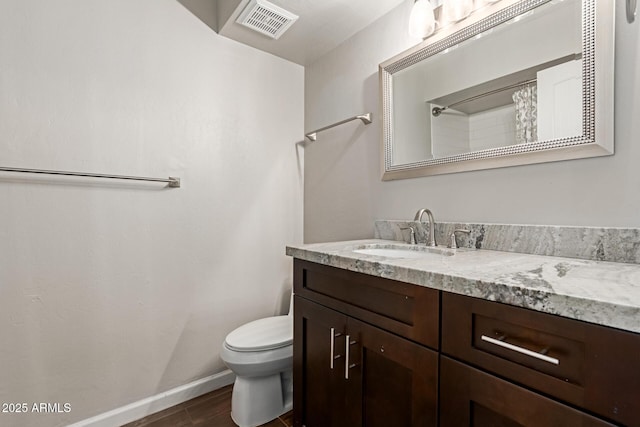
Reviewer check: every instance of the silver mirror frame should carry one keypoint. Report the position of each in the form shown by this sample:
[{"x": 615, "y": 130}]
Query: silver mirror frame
[{"x": 597, "y": 139}]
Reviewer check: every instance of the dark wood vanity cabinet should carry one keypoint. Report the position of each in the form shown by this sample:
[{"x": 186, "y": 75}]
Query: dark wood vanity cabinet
[
  {"x": 348, "y": 372},
  {"x": 592, "y": 367},
  {"x": 370, "y": 351}
]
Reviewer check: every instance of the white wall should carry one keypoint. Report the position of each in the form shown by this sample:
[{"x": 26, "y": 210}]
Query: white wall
[
  {"x": 492, "y": 128},
  {"x": 343, "y": 191},
  {"x": 411, "y": 119},
  {"x": 111, "y": 292},
  {"x": 450, "y": 132},
  {"x": 455, "y": 132}
]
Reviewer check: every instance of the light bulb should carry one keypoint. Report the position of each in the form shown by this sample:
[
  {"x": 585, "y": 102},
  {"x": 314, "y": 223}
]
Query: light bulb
[
  {"x": 481, "y": 3},
  {"x": 456, "y": 10},
  {"x": 422, "y": 22}
]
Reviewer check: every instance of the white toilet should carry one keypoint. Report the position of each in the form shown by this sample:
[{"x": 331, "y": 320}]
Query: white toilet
[{"x": 260, "y": 353}]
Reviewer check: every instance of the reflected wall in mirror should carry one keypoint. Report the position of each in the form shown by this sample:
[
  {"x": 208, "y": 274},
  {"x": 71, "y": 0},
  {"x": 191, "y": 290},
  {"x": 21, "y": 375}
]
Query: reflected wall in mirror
[{"x": 521, "y": 83}]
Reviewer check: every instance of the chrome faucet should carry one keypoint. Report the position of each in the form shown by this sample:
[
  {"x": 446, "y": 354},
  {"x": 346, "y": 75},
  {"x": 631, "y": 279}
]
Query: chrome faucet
[{"x": 431, "y": 241}]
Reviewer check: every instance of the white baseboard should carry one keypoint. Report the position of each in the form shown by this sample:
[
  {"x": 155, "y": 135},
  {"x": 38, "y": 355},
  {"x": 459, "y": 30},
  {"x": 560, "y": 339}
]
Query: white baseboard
[{"x": 153, "y": 404}]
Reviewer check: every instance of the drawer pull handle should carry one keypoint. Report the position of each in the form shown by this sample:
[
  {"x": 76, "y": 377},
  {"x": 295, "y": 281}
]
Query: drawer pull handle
[
  {"x": 347, "y": 365},
  {"x": 522, "y": 350},
  {"x": 333, "y": 345}
]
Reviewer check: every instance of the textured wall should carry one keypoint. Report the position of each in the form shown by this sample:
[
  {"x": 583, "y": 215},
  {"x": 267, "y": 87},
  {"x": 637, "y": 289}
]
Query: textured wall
[
  {"x": 343, "y": 190},
  {"x": 112, "y": 292}
]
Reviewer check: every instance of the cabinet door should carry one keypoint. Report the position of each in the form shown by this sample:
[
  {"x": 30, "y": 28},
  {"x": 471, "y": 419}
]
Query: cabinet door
[
  {"x": 470, "y": 397},
  {"x": 391, "y": 381},
  {"x": 318, "y": 366}
]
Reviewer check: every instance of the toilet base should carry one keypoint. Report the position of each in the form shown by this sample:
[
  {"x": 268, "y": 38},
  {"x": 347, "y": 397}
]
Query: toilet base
[{"x": 258, "y": 400}]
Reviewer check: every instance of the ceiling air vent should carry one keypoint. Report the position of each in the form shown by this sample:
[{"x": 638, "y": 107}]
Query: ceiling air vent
[{"x": 266, "y": 18}]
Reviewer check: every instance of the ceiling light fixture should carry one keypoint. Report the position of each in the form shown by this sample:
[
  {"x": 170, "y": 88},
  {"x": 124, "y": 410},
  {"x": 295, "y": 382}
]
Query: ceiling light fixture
[
  {"x": 422, "y": 21},
  {"x": 456, "y": 10}
]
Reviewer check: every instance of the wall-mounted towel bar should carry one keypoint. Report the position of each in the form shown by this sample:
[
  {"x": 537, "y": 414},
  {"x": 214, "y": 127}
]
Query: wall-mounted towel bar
[
  {"x": 172, "y": 181},
  {"x": 366, "y": 119}
]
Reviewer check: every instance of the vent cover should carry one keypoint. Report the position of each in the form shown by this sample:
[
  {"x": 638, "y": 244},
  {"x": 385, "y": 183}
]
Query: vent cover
[{"x": 266, "y": 18}]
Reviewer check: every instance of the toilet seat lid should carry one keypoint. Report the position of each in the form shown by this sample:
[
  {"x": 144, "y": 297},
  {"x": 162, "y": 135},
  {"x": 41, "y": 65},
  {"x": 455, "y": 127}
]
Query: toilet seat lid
[{"x": 263, "y": 334}]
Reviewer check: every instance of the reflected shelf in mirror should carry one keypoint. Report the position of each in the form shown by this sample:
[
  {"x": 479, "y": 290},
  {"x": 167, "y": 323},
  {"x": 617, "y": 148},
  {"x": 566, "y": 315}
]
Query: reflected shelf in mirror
[{"x": 527, "y": 40}]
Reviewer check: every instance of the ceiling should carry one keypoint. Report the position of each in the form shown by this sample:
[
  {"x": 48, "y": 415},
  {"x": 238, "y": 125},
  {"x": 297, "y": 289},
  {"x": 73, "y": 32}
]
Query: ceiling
[{"x": 322, "y": 24}]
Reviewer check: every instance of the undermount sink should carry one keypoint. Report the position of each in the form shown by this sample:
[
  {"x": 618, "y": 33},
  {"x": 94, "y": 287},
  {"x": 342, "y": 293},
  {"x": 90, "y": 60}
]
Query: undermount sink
[{"x": 403, "y": 251}]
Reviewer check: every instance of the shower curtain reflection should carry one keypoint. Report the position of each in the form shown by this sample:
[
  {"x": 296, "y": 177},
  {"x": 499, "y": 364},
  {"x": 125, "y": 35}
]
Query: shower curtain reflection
[{"x": 526, "y": 103}]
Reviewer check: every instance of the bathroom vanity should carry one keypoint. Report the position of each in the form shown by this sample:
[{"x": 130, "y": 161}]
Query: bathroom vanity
[
  {"x": 360, "y": 339},
  {"x": 470, "y": 337}
]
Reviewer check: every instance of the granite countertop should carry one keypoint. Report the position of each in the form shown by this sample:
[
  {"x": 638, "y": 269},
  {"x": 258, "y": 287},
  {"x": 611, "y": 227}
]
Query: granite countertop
[{"x": 604, "y": 293}]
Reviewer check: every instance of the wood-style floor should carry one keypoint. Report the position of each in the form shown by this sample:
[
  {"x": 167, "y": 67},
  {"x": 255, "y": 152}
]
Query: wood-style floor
[{"x": 209, "y": 410}]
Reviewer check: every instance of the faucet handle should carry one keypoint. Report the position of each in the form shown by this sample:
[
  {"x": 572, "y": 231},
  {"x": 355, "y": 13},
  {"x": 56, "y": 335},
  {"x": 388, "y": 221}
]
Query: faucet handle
[
  {"x": 453, "y": 244},
  {"x": 412, "y": 236}
]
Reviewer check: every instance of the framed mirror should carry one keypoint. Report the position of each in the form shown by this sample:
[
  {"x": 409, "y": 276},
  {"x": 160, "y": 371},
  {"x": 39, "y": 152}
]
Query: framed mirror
[{"x": 517, "y": 82}]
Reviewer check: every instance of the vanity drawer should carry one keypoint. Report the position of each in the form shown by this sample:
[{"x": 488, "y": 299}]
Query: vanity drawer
[
  {"x": 470, "y": 397},
  {"x": 407, "y": 310},
  {"x": 591, "y": 366}
]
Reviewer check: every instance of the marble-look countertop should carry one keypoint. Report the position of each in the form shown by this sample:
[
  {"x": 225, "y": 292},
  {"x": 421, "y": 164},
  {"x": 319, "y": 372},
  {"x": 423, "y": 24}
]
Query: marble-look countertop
[{"x": 604, "y": 293}]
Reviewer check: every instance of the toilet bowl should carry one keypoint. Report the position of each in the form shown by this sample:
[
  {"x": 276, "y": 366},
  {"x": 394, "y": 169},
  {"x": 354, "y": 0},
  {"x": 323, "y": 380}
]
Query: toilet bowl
[{"x": 260, "y": 353}]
